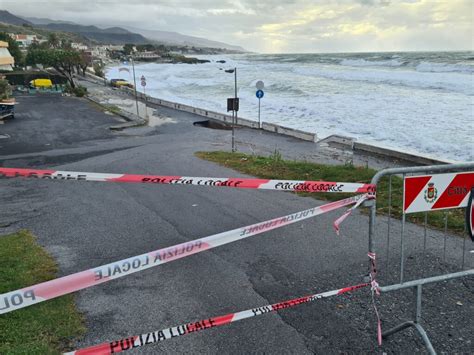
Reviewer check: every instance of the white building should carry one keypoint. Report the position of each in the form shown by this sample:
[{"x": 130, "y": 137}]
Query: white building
[
  {"x": 79, "y": 46},
  {"x": 146, "y": 55}
]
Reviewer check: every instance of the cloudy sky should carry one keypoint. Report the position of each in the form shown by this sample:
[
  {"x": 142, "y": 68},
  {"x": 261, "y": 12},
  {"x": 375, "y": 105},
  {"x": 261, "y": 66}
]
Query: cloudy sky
[{"x": 276, "y": 26}]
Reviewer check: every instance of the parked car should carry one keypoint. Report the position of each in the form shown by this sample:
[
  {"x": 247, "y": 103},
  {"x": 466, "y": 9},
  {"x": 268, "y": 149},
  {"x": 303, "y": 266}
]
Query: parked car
[
  {"x": 120, "y": 82},
  {"x": 41, "y": 83}
]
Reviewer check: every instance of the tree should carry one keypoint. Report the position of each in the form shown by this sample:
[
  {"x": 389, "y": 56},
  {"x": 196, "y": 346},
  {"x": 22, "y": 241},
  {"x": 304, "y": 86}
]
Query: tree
[
  {"x": 99, "y": 70},
  {"x": 66, "y": 43},
  {"x": 145, "y": 47},
  {"x": 128, "y": 48},
  {"x": 53, "y": 40},
  {"x": 64, "y": 61},
  {"x": 5, "y": 88},
  {"x": 86, "y": 60},
  {"x": 13, "y": 48}
]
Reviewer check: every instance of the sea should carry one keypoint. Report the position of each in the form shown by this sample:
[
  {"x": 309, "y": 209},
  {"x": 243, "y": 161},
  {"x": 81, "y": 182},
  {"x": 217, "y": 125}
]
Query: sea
[{"x": 422, "y": 102}]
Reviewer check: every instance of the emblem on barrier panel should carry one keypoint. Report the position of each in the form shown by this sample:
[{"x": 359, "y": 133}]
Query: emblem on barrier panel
[{"x": 431, "y": 193}]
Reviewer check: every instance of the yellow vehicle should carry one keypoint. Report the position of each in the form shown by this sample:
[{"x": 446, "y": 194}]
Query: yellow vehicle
[
  {"x": 120, "y": 82},
  {"x": 41, "y": 83}
]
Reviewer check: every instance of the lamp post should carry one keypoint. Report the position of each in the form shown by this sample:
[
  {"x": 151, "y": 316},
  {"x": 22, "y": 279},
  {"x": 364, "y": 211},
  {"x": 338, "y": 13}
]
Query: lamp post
[
  {"x": 235, "y": 109},
  {"x": 134, "y": 84}
]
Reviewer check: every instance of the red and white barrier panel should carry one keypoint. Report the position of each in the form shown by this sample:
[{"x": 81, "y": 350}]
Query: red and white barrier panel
[
  {"x": 436, "y": 192},
  {"x": 28, "y": 296},
  {"x": 133, "y": 342},
  {"x": 283, "y": 185}
]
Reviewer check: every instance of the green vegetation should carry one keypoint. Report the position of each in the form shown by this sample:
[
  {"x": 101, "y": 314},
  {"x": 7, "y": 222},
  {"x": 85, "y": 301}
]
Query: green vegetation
[
  {"x": 45, "y": 328},
  {"x": 79, "y": 91},
  {"x": 65, "y": 61},
  {"x": 5, "y": 89},
  {"x": 274, "y": 167},
  {"x": 99, "y": 70},
  {"x": 112, "y": 108},
  {"x": 40, "y": 32}
]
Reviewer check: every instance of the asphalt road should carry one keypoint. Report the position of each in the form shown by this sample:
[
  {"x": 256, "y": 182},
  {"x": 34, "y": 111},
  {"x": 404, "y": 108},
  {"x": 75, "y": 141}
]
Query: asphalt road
[{"x": 90, "y": 224}]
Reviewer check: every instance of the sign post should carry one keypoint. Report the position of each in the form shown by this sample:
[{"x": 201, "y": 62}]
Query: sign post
[
  {"x": 234, "y": 104},
  {"x": 143, "y": 83},
  {"x": 260, "y": 85}
]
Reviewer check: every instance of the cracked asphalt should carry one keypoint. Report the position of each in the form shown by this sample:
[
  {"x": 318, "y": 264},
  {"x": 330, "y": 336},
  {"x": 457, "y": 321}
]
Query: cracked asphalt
[{"x": 87, "y": 224}]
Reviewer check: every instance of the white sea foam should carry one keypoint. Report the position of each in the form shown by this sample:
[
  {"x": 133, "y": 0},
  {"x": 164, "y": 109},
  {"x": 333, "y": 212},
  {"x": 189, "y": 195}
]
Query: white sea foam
[
  {"x": 451, "y": 82},
  {"x": 444, "y": 68},
  {"x": 430, "y": 112},
  {"x": 371, "y": 63}
]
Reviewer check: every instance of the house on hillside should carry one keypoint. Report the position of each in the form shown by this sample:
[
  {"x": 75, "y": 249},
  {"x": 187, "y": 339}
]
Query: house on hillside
[
  {"x": 6, "y": 60},
  {"x": 24, "y": 41},
  {"x": 104, "y": 51},
  {"x": 79, "y": 46}
]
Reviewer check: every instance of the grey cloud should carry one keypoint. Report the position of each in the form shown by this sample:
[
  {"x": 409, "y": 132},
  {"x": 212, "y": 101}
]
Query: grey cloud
[{"x": 240, "y": 21}]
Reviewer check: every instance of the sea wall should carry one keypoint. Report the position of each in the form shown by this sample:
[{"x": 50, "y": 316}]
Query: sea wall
[
  {"x": 228, "y": 118},
  {"x": 377, "y": 150}
]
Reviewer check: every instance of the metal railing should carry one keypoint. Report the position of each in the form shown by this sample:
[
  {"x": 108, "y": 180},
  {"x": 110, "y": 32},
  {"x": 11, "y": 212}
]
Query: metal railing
[
  {"x": 418, "y": 283},
  {"x": 417, "y": 288},
  {"x": 373, "y": 207}
]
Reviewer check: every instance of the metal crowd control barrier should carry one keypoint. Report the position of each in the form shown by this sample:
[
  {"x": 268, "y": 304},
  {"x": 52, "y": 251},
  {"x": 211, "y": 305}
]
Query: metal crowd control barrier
[
  {"x": 417, "y": 287},
  {"x": 415, "y": 284}
]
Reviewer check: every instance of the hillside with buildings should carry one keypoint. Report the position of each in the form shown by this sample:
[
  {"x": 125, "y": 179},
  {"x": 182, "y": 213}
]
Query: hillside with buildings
[{"x": 113, "y": 35}]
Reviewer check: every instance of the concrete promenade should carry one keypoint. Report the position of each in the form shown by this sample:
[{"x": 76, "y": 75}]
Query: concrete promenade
[{"x": 89, "y": 224}]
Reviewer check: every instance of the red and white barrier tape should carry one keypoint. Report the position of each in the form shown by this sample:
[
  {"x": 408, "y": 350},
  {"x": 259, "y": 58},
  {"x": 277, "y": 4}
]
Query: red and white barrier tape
[
  {"x": 375, "y": 290},
  {"x": 282, "y": 185},
  {"x": 133, "y": 342},
  {"x": 27, "y": 296},
  {"x": 338, "y": 221}
]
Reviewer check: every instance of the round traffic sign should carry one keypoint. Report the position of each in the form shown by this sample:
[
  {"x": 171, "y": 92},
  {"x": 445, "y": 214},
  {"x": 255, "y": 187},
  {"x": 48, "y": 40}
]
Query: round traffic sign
[
  {"x": 143, "y": 83},
  {"x": 260, "y": 85},
  {"x": 259, "y": 94}
]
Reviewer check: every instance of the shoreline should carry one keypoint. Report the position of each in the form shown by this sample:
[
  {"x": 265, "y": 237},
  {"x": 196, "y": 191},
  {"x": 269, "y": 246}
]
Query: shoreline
[{"x": 334, "y": 140}]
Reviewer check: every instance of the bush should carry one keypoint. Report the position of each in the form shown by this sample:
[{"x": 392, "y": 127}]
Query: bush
[
  {"x": 80, "y": 91},
  {"x": 5, "y": 89},
  {"x": 98, "y": 70}
]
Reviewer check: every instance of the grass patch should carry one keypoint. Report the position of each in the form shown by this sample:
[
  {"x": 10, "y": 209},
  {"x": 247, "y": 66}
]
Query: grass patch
[
  {"x": 112, "y": 108},
  {"x": 275, "y": 167},
  {"x": 45, "y": 328},
  {"x": 106, "y": 107}
]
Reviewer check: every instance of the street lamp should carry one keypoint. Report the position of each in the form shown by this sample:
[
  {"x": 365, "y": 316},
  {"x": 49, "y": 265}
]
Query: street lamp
[
  {"x": 134, "y": 83},
  {"x": 235, "y": 108}
]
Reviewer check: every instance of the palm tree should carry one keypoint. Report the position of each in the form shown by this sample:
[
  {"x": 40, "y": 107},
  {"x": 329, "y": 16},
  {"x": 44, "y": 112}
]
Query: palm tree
[{"x": 53, "y": 40}]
